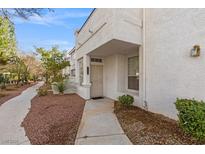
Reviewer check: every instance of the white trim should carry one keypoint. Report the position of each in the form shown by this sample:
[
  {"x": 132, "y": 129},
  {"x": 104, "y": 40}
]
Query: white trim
[
  {"x": 96, "y": 63},
  {"x": 144, "y": 99},
  {"x": 130, "y": 56},
  {"x": 131, "y": 90}
]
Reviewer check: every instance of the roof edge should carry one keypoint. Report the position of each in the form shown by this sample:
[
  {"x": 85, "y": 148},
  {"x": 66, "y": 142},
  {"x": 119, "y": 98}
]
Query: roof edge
[
  {"x": 71, "y": 51},
  {"x": 86, "y": 20}
]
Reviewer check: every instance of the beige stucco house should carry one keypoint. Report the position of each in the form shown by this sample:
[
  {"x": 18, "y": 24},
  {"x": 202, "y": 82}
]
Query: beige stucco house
[{"x": 142, "y": 52}]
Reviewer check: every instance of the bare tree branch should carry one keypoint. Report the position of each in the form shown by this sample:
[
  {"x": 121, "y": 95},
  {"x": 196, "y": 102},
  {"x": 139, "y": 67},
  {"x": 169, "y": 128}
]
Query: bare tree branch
[{"x": 24, "y": 13}]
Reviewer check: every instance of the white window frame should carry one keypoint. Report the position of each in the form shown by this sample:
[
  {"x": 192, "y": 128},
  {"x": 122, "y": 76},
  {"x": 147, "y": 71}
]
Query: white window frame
[{"x": 127, "y": 72}]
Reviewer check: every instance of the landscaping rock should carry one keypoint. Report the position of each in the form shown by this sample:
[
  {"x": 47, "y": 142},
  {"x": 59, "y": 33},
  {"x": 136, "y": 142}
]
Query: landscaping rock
[
  {"x": 143, "y": 127},
  {"x": 54, "y": 119}
]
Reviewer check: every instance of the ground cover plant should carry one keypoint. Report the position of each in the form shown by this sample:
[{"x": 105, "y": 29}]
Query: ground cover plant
[{"x": 192, "y": 117}]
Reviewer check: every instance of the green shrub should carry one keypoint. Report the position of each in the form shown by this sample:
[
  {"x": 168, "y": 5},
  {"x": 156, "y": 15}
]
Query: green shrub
[
  {"x": 126, "y": 100},
  {"x": 192, "y": 117},
  {"x": 3, "y": 81},
  {"x": 2, "y": 86},
  {"x": 61, "y": 87},
  {"x": 42, "y": 91},
  {"x": 58, "y": 78}
]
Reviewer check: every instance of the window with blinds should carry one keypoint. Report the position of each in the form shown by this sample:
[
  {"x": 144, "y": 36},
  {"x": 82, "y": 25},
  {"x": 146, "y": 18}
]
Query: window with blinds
[{"x": 133, "y": 73}]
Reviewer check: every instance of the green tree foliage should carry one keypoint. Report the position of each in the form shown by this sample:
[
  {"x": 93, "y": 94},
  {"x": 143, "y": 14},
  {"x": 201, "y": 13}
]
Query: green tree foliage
[
  {"x": 24, "y": 68},
  {"x": 53, "y": 61},
  {"x": 7, "y": 41},
  {"x": 19, "y": 69}
]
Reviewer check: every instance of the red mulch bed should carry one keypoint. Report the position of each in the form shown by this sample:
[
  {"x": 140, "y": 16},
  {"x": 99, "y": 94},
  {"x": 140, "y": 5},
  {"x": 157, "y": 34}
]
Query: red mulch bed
[
  {"x": 54, "y": 119},
  {"x": 12, "y": 91},
  {"x": 143, "y": 127}
]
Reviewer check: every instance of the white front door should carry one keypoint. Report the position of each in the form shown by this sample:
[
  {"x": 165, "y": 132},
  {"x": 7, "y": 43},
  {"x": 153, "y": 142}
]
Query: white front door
[{"x": 96, "y": 77}]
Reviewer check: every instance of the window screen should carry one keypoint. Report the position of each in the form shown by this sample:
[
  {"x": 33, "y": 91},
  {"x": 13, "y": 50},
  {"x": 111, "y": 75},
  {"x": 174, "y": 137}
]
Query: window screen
[{"x": 133, "y": 70}]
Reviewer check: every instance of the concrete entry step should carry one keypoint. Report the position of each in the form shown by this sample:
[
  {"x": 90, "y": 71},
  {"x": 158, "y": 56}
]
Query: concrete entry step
[{"x": 99, "y": 125}]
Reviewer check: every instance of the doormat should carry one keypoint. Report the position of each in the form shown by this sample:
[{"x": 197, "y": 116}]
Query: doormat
[{"x": 97, "y": 98}]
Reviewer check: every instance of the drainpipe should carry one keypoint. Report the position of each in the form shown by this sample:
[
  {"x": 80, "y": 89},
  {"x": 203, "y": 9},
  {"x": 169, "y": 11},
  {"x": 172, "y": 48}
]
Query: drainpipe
[{"x": 144, "y": 59}]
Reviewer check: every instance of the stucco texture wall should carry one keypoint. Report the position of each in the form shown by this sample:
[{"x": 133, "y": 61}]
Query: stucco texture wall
[
  {"x": 99, "y": 18},
  {"x": 170, "y": 70},
  {"x": 108, "y": 24}
]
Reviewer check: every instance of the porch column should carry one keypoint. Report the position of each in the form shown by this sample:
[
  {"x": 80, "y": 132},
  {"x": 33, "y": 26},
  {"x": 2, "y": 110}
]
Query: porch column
[
  {"x": 86, "y": 71},
  {"x": 76, "y": 72}
]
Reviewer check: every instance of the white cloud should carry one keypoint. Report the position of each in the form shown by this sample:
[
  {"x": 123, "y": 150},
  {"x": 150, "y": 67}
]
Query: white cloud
[
  {"x": 30, "y": 44},
  {"x": 52, "y": 18},
  {"x": 73, "y": 15},
  {"x": 54, "y": 42}
]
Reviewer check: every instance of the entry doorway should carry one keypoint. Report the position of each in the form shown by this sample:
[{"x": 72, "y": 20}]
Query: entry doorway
[{"x": 96, "y": 77}]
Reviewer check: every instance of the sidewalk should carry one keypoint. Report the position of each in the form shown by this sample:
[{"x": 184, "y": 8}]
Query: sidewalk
[
  {"x": 99, "y": 125},
  {"x": 12, "y": 114}
]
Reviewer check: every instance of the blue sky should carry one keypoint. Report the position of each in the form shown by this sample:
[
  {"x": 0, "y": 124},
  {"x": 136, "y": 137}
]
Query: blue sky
[{"x": 53, "y": 28}]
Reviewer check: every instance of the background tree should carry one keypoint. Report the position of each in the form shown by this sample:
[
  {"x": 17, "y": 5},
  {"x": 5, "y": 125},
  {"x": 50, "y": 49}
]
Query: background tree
[
  {"x": 25, "y": 68},
  {"x": 53, "y": 62},
  {"x": 10, "y": 63},
  {"x": 7, "y": 41},
  {"x": 7, "y": 32},
  {"x": 34, "y": 66},
  {"x": 19, "y": 69}
]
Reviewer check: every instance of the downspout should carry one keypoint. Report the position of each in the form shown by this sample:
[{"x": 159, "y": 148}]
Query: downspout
[{"x": 144, "y": 59}]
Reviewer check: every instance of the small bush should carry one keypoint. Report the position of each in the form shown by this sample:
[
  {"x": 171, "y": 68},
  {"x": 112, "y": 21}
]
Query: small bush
[
  {"x": 192, "y": 117},
  {"x": 42, "y": 91},
  {"x": 2, "y": 86},
  {"x": 60, "y": 86},
  {"x": 126, "y": 100}
]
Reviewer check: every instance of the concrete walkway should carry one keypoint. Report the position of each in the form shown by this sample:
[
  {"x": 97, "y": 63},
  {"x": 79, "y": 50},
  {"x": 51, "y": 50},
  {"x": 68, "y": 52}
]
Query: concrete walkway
[
  {"x": 12, "y": 114},
  {"x": 99, "y": 125}
]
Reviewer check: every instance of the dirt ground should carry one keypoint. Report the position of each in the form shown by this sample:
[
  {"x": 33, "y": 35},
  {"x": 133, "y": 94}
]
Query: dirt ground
[
  {"x": 11, "y": 92},
  {"x": 54, "y": 119},
  {"x": 144, "y": 127}
]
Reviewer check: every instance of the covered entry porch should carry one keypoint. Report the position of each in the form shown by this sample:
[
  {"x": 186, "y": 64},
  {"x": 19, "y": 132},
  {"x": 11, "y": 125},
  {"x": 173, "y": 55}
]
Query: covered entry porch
[{"x": 112, "y": 70}]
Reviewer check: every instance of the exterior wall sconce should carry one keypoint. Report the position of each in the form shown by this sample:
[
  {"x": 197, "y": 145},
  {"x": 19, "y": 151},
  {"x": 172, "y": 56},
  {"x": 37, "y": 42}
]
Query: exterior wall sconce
[
  {"x": 90, "y": 31},
  {"x": 195, "y": 51}
]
